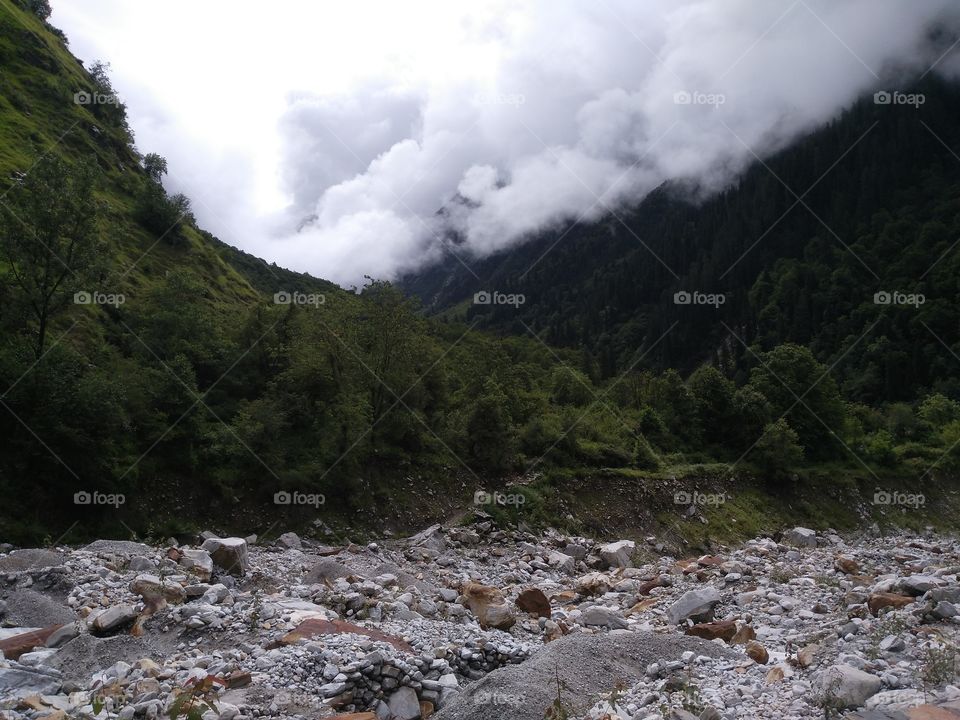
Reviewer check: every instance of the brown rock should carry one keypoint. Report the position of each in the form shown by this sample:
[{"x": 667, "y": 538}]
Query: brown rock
[
  {"x": 807, "y": 655},
  {"x": 724, "y": 629},
  {"x": 14, "y": 647},
  {"x": 774, "y": 675},
  {"x": 757, "y": 652},
  {"x": 489, "y": 606},
  {"x": 238, "y": 678},
  {"x": 426, "y": 709},
  {"x": 879, "y": 601},
  {"x": 846, "y": 565},
  {"x": 710, "y": 561},
  {"x": 643, "y": 605},
  {"x": 929, "y": 712},
  {"x": 532, "y": 600},
  {"x": 744, "y": 635},
  {"x": 646, "y": 587},
  {"x": 356, "y": 716}
]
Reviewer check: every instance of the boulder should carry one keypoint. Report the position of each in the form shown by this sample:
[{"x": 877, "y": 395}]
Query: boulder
[
  {"x": 724, "y": 630},
  {"x": 757, "y": 652},
  {"x": 290, "y": 540},
  {"x": 601, "y": 616},
  {"x": 583, "y": 664},
  {"x": 489, "y": 606},
  {"x": 694, "y": 604},
  {"x": 919, "y": 584},
  {"x": 847, "y": 687},
  {"x": 879, "y": 601},
  {"x": 151, "y": 588},
  {"x": 533, "y": 601},
  {"x": 404, "y": 704},
  {"x": 563, "y": 563},
  {"x": 22, "y": 682},
  {"x": 800, "y": 537},
  {"x": 197, "y": 562},
  {"x": 593, "y": 584},
  {"x": 228, "y": 554},
  {"x": 618, "y": 554},
  {"x": 113, "y": 619}
]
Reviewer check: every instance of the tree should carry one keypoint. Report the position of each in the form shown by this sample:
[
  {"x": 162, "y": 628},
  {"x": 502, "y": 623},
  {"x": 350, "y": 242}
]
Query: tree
[
  {"x": 489, "y": 429},
  {"x": 800, "y": 388},
  {"x": 155, "y": 166},
  {"x": 713, "y": 396},
  {"x": 49, "y": 239},
  {"x": 40, "y": 8},
  {"x": 778, "y": 450}
]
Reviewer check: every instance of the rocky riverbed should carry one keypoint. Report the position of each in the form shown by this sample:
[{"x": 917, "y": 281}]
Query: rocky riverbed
[{"x": 477, "y": 622}]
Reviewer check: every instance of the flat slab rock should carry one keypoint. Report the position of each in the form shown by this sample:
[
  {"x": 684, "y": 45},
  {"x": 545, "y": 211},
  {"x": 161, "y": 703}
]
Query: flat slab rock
[
  {"x": 317, "y": 628},
  {"x": 587, "y": 665},
  {"x": 13, "y": 647}
]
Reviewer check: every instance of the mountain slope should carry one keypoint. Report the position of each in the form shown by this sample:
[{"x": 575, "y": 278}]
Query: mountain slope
[{"x": 879, "y": 212}]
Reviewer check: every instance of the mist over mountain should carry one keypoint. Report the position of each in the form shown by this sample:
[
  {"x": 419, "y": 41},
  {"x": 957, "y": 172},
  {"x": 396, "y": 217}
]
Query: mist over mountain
[{"x": 534, "y": 116}]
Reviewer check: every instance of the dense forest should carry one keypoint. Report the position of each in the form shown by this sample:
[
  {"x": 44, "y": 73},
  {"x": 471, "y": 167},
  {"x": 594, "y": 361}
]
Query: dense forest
[
  {"x": 798, "y": 247},
  {"x": 142, "y": 357}
]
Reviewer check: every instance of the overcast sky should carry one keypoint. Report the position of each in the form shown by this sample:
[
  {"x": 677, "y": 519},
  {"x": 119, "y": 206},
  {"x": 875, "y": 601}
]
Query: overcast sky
[{"x": 326, "y": 135}]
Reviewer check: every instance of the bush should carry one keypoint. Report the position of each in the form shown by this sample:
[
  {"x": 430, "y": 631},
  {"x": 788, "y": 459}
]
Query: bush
[
  {"x": 778, "y": 450},
  {"x": 880, "y": 448}
]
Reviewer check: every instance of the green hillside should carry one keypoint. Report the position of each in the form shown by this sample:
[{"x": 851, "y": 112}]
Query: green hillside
[{"x": 153, "y": 384}]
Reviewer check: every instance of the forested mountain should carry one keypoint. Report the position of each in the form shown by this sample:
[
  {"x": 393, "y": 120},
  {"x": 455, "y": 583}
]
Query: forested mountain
[
  {"x": 159, "y": 378},
  {"x": 797, "y": 247}
]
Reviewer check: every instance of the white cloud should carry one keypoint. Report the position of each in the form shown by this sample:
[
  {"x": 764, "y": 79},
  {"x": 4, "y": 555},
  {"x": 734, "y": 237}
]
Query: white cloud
[{"x": 328, "y": 137}]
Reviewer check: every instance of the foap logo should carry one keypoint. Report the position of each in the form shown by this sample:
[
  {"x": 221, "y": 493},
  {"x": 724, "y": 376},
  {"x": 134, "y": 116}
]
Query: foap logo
[
  {"x": 487, "y": 697},
  {"x": 684, "y": 297},
  {"x": 896, "y": 297},
  {"x": 695, "y": 97},
  {"x": 298, "y": 298},
  {"x": 900, "y": 499},
  {"x": 95, "y": 98},
  {"x": 298, "y": 498},
  {"x": 98, "y": 498},
  {"x": 683, "y": 497},
  {"x": 895, "y": 97},
  {"x": 514, "y": 99},
  {"x": 498, "y": 298},
  {"x": 482, "y": 497},
  {"x": 98, "y": 298}
]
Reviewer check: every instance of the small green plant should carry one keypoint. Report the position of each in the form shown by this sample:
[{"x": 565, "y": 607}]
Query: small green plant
[
  {"x": 195, "y": 699},
  {"x": 558, "y": 709},
  {"x": 939, "y": 665},
  {"x": 890, "y": 624},
  {"x": 829, "y": 701}
]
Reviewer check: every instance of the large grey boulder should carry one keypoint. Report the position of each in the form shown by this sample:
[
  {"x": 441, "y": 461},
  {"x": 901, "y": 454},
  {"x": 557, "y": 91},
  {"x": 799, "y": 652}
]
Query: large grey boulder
[
  {"x": 800, "y": 537},
  {"x": 693, "y": 604},
  {"x": 21, "y": 681},
  {"x": 586, "y": 664},
  {"x": 603, "y": 617},
  {"x": 404, "y": 704},
  {"x": 229, "y": 554},
  {"x": 846, "y": 687},
  {"x": 113, "y": 619},
  {"x": 290, "y": 540},
  {"x": 618, "y": 554}
]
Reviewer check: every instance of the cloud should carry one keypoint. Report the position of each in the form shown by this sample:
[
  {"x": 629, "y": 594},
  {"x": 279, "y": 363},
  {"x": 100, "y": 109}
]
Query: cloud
[{"x": 494, "y": 124}]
